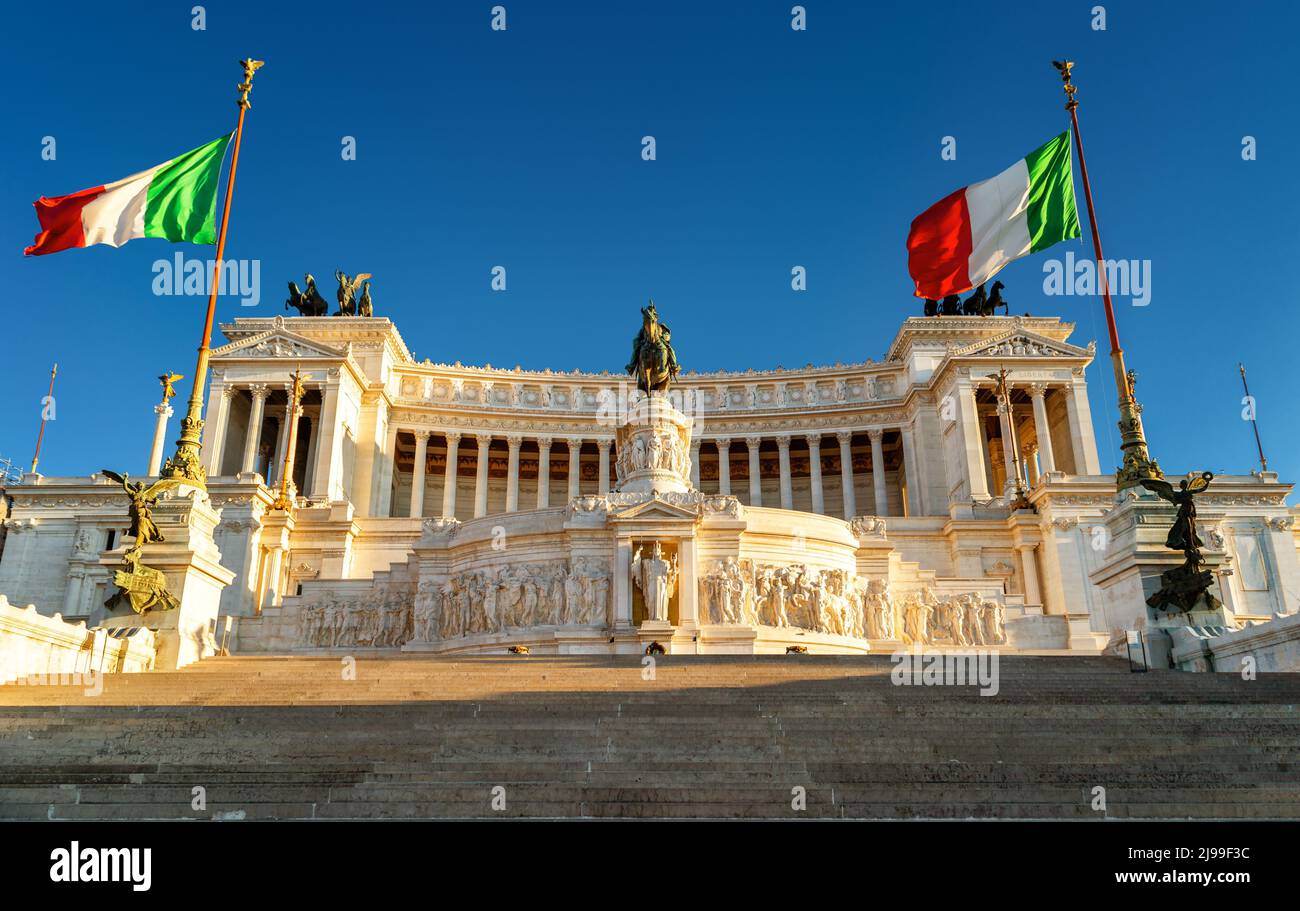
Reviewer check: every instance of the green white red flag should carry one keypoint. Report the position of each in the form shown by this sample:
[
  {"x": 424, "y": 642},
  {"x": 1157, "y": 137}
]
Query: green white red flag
[
  {"x": 176, "y": 200},
  {"x": 967, "y": 237}
]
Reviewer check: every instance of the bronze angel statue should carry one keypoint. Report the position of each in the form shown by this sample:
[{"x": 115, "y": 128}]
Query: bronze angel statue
[
  {"x": 654, "y": 363},
  {"x": 143, "y": 500},
  {"x": 1182, "y": 536},
  {"x": 347, "y": 293}
]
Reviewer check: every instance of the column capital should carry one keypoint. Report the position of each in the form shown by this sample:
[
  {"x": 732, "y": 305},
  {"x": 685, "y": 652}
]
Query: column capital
[
  {"x": 723, "y": 443},
  {"x": 604, "y": 445},
  {"x": 422, "y": 435},
  {"x": 228, "y": 391},
  {"x": 163, "y": 408},
  {"x": 876, "y": 434},
  {"x": 574, "y": 443},
  {"x": 453, "y": 436},
  {"x": 484, "y": 440},
  {"x": 783, "y": 441},
  {"x": 544, "y": 443},
  {"x": 1037, "y": 390},
  {"x": 259, "y": 390},
  {"x": 514, "y": 440},
  {"x": 845, "y": 437},
  {"x": 753, "y": 442},
  {"x": 814, "y": 440}
]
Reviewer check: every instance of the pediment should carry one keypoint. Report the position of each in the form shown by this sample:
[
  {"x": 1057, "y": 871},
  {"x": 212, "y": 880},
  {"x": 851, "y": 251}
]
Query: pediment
[
  {"x": 1022, "y": 343},
  {"x": 655, "y": 508},
  {"x": 277, "y": 343}
]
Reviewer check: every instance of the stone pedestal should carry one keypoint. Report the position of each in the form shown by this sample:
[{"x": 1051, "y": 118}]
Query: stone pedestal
[
  {"x": 654, "y": 448},
  {"x": 191, "y": 562},
  {"x": 1134, "y": 557},
  {"x": 660, "y": 631}
]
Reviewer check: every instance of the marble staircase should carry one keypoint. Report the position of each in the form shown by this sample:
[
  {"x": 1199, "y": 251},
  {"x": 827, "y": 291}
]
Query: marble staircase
[{"x": 711, "y": 737}]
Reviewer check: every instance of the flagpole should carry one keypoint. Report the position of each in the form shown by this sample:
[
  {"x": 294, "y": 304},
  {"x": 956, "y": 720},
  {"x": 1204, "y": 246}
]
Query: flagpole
[
  {"x": 1138, "y": 463},
  {"x": 49, "y": 396},
  {"x": 1263, "y": 462},
  {"x": 185, "y": 462}
]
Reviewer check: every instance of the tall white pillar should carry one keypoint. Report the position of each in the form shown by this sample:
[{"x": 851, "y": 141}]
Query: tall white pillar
[
  {"x": 846, "y": 473},
  {"x": 604, "y": 446},
  {"x": 575, "y": 477},
  {"x": 783, "y": 458},
  {"x": 724, "y": 467},
  {"x": 417, "y": 474},
  {"x": 815, "y": 472},
  {"x": 1029, "y": 569},
  {"x": 543, "y": 472},
  {"x": 695, "y": 464},
  {"x": 513, "y": 441},
  {"x": 254, "y": 426},
  {"x": 877, "y": 437},
  {"x": 215, "y": 426},
  {"x": 1081, "y": 435},
  {"x": 755, "y": 476},
  {"x": 384, "y": 477},
  {"x": 481, "y": 475},
  {"x": 327, "y": 474},
  {"x": 1046, "y": 458},
  {"x": 450, "y": 475},
  {"x": 164, "y": 411},
  {"x": 972, "y": 435},
  {"x": 915, "y": 505}
]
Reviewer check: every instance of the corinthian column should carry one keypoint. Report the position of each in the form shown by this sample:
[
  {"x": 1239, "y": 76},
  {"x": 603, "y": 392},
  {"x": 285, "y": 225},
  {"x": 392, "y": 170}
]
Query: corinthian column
[
  {"x": 815, "y": 472},
  {"x": 543, "y": 472},
  {"x": 755, "y": 476},
  {"x": 846, "y": 473},
  {"x": 254, "y": 426},
  {"x": 1046, "y": 458},
  {"x": 603, "y": 446},
  {"x": 878, "y": 471},
  {"x": 481, "y": 477},
  {"x": 450, "y": 475},
  {"x": 724, "y": 467},
  {"x": 783, "y": 457},
  {"x": 417, "y": 473},
  {"x": 575, "y": 479},
  {"x": 164, "y": 411},
  {"x": 512, "y": 472}
]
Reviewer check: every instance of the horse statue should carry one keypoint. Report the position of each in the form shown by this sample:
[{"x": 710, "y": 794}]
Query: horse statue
[
  {"x": 997, "y": 300},
  {"x": 951, "y": 305},
  {"x": 931, "y": 307},
  {"x": 309, "y": 302},
  {"x": 975, "y": 304},
  {"x": 654, "y": 363}
]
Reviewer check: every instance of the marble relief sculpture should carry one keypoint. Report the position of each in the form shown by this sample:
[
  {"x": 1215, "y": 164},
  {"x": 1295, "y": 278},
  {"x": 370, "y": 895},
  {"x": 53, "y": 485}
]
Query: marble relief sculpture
[
  {"x": 842, "y": 603},
  {"x": 472, "y": 602}
]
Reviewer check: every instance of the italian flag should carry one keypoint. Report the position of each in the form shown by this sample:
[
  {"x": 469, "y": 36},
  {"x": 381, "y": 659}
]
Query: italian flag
[
  {"x": 176, "y": 200},
  {"x": 966, "y": 238}
]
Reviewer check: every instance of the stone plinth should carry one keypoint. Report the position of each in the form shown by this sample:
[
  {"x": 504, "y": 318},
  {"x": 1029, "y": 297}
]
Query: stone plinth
[
  {"x": 654, "y": 448},
  {"x": 1134, "y": 557},
  {"x": 191, "y": 562}
]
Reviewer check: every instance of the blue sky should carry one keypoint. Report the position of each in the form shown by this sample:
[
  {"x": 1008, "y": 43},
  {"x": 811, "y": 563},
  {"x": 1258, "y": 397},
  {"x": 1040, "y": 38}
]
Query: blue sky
[{"x": 775, "y": 148}]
